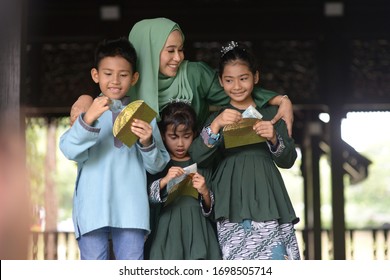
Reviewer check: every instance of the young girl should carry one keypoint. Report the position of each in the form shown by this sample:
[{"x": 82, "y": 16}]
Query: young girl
[
  {"x": 254, "y": 213},
  {"x": 183, "y": 230}
]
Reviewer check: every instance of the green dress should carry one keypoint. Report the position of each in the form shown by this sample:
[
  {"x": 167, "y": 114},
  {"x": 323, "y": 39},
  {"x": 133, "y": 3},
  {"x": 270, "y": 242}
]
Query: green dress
[
  {"x": 246, "y": 183},
  {"x": 182, "y": 230},
  {"x": 253, "y": 210}
]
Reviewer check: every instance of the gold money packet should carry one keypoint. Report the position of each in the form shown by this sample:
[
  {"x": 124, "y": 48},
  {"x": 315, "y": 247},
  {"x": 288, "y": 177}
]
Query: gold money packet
[
  {"x": 183, "y": 188},
  {"x": 241, "y": 133},
  {"x": 122, "y": 126}
]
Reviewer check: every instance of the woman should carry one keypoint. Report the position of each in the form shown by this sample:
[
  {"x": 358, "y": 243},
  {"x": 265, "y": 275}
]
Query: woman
[{"x": 165, "y": 75}]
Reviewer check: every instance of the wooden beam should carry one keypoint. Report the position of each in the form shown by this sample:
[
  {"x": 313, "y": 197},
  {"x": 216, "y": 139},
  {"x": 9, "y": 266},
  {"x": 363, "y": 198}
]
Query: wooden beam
[{"x": 11, "y": 34}]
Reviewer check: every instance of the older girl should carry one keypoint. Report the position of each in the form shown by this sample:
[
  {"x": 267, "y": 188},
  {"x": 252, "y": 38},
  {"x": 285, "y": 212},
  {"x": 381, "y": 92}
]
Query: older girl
[{"x": 254, "y": 213}]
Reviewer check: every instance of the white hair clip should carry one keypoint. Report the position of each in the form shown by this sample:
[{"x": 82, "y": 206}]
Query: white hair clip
[
  {"x": 178, "y": 100},
  {"x": 229, "y": 47}
]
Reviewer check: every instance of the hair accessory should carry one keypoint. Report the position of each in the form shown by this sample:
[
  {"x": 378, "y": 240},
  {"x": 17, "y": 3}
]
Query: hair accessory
[
  {"x": 229, "y": 47},
  {"x": 178, "y": 100}
]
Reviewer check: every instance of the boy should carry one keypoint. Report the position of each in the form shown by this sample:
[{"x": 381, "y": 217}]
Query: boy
[{"x": 110, "y": 199}]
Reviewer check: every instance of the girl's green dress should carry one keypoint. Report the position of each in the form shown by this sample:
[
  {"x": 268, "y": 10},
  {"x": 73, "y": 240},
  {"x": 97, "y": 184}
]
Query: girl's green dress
[
  {"x": 182, "y": 230},
  {"x": 248, "y": 187}
]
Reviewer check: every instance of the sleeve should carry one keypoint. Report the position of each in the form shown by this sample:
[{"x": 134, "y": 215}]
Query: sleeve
[
  {"x": 208, "y": 213},
  {"x": 76, "y": 141},
  {"x": 262, "y": 96},
  {"x": 207, "y": 82},
  {"x": 203, "y": 154},
  {"x": 214, "y": 94},
  {"x": 155, "y": 157},
  {"x": 156, "y": 195}
]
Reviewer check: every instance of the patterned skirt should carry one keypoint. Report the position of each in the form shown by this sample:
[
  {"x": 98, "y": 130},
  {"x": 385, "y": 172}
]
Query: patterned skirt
[{"x": 250, "y": 240}]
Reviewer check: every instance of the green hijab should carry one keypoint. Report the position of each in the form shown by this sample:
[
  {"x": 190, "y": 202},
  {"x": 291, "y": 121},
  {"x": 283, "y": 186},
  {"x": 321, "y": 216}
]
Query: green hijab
[{"x": 148, "y": 37}]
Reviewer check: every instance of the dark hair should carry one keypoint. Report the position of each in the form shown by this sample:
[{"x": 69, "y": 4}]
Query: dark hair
[
  {"x": 232, "y": 52},
  {"x": 178, "y": 113},
  {"x": 116, "y": 47}
]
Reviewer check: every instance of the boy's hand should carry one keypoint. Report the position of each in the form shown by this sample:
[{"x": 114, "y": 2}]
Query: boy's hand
[
  {"x": 143, "y": 131},
  {"x": 199, "y": 183},
  {"x": 99, "y": 106}
]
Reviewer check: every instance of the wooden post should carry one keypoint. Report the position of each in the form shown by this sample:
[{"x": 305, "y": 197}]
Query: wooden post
[{"x": 11, "y": 45}]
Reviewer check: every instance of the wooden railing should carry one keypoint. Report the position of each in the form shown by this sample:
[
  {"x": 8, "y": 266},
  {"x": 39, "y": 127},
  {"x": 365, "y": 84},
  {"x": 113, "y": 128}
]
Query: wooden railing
[
  {"x": 368, "y": 244},
  {"x": 361, "y": 244},
  {"x": 64, "y": 244}
]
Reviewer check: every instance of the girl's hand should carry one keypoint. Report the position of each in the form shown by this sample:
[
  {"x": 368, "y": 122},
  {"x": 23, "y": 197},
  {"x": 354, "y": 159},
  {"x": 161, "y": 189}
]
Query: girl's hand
[
  {"x": 199, "y": 184},
  {"x": 228, "y": 116},
  {"x": 98, "y": 107},
  {"x": 266, "y": 130},
  {"x": 173, "y": 172},
  {"x": 143, "y": 131}
]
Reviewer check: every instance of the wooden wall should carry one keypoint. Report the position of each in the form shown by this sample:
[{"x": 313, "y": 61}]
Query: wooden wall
[{"x": 315, "y": 59}]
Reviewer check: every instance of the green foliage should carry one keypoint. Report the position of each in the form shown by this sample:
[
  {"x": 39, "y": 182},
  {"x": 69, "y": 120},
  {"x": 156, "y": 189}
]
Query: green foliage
[
  {"x": 368, "y": 202},
  {"x": 36, "y": 130},
  {"x": 35, "y": 158}
]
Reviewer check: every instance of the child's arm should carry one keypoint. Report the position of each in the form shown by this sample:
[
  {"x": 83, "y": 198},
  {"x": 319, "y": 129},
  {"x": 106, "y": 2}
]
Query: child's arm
[
  {"x": 157, "y": 190},
  {"x": 78, "y": 139},
  {"x": 154, "y": 192},
  {"x": 173, "y": 172},
  {"x": 266, "y": 130},
  {"x": 155, "y": 156},
  {"x": 98, "y": 107},
  {"x": 227, "y": 116},
  {"x": 283, "y": 150},
  {"x": 143, "y": 131},
  {"x": 199, "y": 184},
  {"x": 203, "y": 149},
  {"x": 202, "y": 152}
]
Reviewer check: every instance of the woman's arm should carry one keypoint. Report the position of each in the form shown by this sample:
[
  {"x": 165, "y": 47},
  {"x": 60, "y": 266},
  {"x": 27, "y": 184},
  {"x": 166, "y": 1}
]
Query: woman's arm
[
  {"x": 285, "y": 111},
  {"x": 80, "y": 106}
]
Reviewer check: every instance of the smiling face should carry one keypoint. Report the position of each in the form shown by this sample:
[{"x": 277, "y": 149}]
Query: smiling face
[
  {"x": 178, "y": 141},
  {"x": 238, "y": 82},
  {"x": 115, "y": 76},
  {"x": 172, "y": 54}
]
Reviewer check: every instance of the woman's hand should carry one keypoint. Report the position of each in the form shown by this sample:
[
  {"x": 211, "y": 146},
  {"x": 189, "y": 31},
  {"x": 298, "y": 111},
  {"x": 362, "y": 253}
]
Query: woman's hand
[
  {"x": 285, "y": 111},
  {"x": 81, "y": 105}
]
